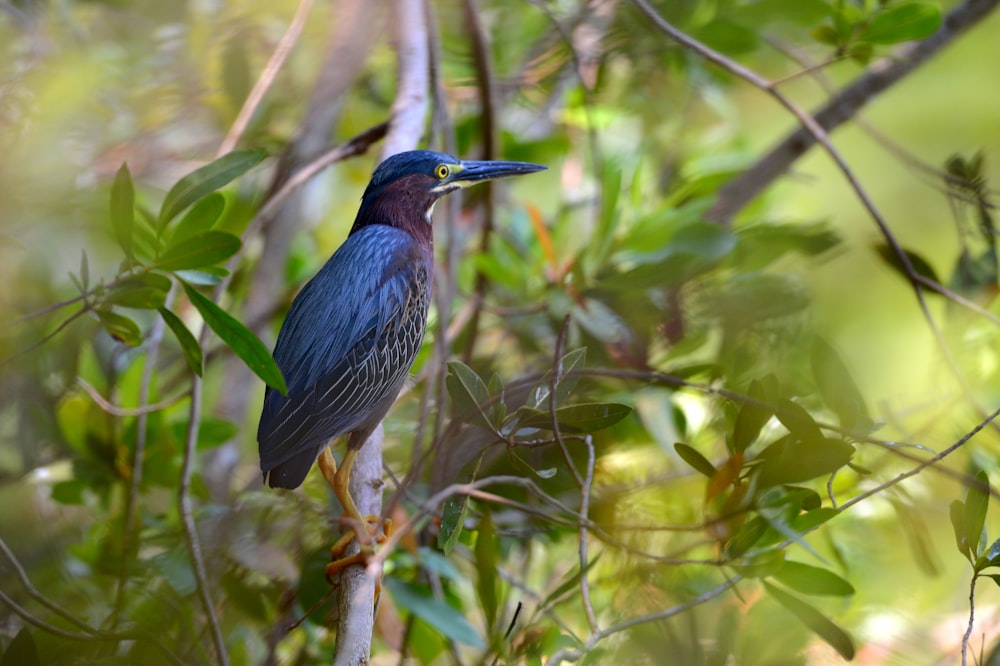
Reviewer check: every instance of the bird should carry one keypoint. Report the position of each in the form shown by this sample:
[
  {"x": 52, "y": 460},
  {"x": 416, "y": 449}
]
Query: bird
[{"x": 353, "y": 331}]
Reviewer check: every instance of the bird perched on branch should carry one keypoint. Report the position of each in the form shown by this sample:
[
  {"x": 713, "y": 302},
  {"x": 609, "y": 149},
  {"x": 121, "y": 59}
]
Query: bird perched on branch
[{"x": 352, "y": 333}]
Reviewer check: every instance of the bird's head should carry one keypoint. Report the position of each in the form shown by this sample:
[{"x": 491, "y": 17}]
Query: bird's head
[{"x": 405, "y": 186}]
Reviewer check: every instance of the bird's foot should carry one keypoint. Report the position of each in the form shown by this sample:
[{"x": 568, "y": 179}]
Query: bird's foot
[{"x": 368, "y": 536}]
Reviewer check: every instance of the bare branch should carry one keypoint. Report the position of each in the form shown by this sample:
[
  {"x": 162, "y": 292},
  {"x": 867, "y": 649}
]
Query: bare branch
[
  {"x": 266, "y": 78},
  {"x": 115, "y": 410}
]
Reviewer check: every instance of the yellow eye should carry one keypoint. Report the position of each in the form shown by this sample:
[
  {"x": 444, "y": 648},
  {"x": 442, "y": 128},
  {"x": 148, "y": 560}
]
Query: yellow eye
[{"x": 442, "y": 171}]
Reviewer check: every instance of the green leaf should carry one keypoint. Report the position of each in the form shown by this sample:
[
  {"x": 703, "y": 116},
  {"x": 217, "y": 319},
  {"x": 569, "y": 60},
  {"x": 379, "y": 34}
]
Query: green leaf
[
  {"x": 175, "y": 567},
  {"x": 837, "y": 387},
  {"x": 957, "y": 513},
  {"x": 749, "y": 534},
  {"x": 813, "y": 580},
  {"x": 189, "y": 344},
  {"x": 571, "y": 363},
  {"x": 199, "y": 251},
  {"x": 798, "y": 421},
  {"x": 147, "y": 291},
  {"x": 201, "y": 218},
  {"x": 439, "y": 564},
  {"x": 123, "y": 209},
  {"x": 903, "y": 22},
  {"x": 121, "y": 328},
  {"x": 206, "y": 180},
  {"x": 976, "y": 502},
  {"x": 21, "y": 651},
  {"x": 240, "y": 339},
  {"x": 470, "y": 395},
  {"x": 584, "y": 418},
  {"x": 435, "y": 612},
  {"x": 788, "y": 461},
  {"x": 694, "y": 458},
  {"x": 753, "y": 416},
  {"x": 453, "y": 515},
  {"x": 208, "y": 277},
  {"x": 486, "y": 568},
  {"x": 822, "y": 626},
  {"x": 570, "y": 583}
]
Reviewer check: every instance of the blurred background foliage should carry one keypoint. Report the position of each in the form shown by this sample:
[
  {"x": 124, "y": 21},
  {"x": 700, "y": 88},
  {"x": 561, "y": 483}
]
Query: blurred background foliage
[{"x": 736, "y": 384}]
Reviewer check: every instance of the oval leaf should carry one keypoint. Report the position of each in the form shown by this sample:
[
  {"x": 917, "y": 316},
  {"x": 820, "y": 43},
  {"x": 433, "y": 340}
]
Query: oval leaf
[
  {"x": 976, "y": 503},
  {"x": 123, "y": 209},
  {"x": 903, "y": 22},
  {"x": 813, "y": 580},
  {"x": 435, "y": 612},
  {"x": 694, "y": 458},
  {"x": 189, "y": 345},
  {"x": 821, "y": 625},
  {"x": 201, "y": 218},
  {"x": 199, "y": 251},
  {"x": 453, "y": 515},
  {"x": 121, "y": 328},
  {"x": 240, "y": 339},
  {"x": 469, "y": 393},
  {"x": 585, "y": 418},
  {"x": 206, "y": 180},
  {"x": 147, "y": 291}
]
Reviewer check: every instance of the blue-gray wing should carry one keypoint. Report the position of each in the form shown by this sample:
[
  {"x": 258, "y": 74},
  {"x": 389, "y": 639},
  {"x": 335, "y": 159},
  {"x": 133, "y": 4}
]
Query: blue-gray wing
[{"x": 345, "y": 348}]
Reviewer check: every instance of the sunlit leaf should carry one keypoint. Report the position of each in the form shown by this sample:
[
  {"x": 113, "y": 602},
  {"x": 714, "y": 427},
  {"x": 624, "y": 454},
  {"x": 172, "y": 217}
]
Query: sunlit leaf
[
  {"x": 437, "y": 613},
  {"x": 189, "y": 345},
  {"x": 903, "y": 22},
  {"x": 813, "y": 580},
  {"x": 240, "y": 339},
  {"x": 123, "y": 209},
  {"x": 822, "y": 626},
  {"x": 201, "y": 218},
  {"x": 957, "y": 514},
  {"x": 206, "y": 180},
  {"x": 839, "y": 391},
  {"x": 976, "y": 502},
  {"x": 206, "y": 249}
]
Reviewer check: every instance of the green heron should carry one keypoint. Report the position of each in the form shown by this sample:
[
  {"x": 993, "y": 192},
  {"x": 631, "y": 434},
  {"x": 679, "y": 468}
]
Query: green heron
[{"x": 352, "y": 333}]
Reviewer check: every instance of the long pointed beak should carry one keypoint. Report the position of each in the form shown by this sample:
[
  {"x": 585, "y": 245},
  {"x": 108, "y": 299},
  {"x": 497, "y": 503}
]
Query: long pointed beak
[{"x": 475, "y": 171}]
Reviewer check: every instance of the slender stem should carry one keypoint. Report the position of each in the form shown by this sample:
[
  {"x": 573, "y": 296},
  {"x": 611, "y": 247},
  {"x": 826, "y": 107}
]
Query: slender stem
[
  {"x": 266, "y": 78},
  {"x": 132, "y": 499},
  {"x": 972, "y": 617},
  {"x": 116, "y": 410},
  {"x": 187, "y": 519}
]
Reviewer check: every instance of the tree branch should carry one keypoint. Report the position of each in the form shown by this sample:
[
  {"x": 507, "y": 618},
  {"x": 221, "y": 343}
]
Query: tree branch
[{"x": 843, "y": 106}]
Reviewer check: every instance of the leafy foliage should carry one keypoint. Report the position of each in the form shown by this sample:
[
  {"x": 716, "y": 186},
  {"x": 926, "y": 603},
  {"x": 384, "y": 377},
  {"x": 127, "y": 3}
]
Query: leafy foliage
[{"x": 647, "y": 430}]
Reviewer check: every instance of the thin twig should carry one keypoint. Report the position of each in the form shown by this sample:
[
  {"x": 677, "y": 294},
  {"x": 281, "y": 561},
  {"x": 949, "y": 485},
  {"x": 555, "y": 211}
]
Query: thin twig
[
  {"x": 69, "y": 320},
  {"x": 567, "y": 654},
  {"x": 266, "y": 78},
  {"x": 116, "y": 410},
  {"x": 879, "y": 77},
  {"x": 89, "y": 634},
  {"x": 187, "y": 517},
  {"x": 972, "y": 617},
  {"x": 925, "y": 464},
  {"x": 138, "y": 457}
]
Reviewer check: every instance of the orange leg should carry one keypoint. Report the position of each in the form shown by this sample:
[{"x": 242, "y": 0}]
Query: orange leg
[{"x": 365, "y": 529}]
